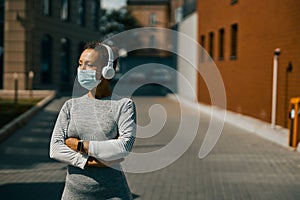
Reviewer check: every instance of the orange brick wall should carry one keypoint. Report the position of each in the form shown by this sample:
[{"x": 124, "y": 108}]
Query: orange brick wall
[{"x": 263, "y": 26}]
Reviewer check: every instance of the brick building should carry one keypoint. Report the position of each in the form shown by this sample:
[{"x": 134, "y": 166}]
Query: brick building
[
  {"x": 46, "y": 37},
  {"x": 241, "y": 36}
]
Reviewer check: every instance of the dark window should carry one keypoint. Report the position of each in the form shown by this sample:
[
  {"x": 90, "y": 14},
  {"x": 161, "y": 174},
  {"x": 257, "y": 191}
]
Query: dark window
[
  {"x": 80, "y": 49},
  {"x": 81, "y": 12},
  {"x": 211, "y": 45},
  {"x": 202, "y": 50},
  {"x": 46, "y": 59},
  {"x": 65, "y": 61},
  {"x": 234, "y": 37},
  {"x": 221, "y": 44},
  {"x": 46, "y": 7},
  {"x": 95, "y": 13},
  {"x": 233, "y": 2},
  {"x": 64, "y": 12}
]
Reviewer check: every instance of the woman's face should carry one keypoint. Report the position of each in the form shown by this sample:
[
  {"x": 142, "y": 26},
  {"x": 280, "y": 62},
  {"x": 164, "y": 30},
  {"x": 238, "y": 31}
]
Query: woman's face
[{"x": 90, "y": 60}]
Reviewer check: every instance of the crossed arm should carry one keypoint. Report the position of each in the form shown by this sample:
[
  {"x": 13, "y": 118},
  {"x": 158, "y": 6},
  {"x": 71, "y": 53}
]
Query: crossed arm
[
  {"x": 94, "y": 153},
  {"x": 93, "y": 162}
]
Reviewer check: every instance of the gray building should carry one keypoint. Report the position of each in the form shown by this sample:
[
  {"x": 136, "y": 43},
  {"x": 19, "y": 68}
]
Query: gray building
[{"x": 46, "y": 37}]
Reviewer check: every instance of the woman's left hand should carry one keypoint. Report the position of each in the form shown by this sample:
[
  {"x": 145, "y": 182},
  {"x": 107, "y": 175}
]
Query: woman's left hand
[{"x": 72, "y": 143}]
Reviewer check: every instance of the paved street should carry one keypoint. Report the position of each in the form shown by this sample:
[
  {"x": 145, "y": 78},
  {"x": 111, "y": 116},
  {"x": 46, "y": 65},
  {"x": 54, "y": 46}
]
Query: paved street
[{"x": 241, "y": 165}]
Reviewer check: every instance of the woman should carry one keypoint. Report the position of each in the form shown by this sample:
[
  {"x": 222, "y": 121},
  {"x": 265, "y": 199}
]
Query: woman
[{"x": 94, "y": 133}]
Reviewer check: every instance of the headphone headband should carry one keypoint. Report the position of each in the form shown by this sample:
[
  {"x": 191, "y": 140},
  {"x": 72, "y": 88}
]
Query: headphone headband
[
  {"x": 108, "y": 71},
  {"x": 110, "y": 53}
]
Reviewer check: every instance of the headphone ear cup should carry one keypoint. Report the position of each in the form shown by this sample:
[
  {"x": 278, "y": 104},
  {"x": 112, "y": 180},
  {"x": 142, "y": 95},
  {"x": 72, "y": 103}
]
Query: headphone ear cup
[{"x": 108, "y": 72}]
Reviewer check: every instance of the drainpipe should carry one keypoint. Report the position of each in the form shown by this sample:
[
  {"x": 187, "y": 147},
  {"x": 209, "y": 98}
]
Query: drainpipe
[{"x": 274, "y": 91}]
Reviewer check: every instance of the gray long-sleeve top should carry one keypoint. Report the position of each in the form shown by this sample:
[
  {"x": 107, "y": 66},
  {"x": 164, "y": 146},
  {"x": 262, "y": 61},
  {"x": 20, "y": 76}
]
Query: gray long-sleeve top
[{"x": 108, "y": 124}]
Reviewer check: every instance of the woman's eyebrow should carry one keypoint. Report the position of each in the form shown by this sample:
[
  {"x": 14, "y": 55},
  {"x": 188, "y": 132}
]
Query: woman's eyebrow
[{"x": 87, "y": 61}]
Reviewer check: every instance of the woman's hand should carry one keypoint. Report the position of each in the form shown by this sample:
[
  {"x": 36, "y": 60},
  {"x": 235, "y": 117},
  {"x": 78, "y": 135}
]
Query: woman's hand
[
  {"x": 72, "y": 143},
  {"x": 93, "y": 162}
]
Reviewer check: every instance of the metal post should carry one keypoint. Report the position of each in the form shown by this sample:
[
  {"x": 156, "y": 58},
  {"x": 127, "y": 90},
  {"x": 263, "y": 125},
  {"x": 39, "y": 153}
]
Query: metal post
[
  {"x": 274, "y": 90},
  {"x": 16, "y": 87},
  {"x": 30, "y": 83}
]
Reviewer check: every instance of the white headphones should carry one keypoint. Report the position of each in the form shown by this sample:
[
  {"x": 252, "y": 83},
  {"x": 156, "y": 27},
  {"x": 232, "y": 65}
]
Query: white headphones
[{"x": 108, "y": 72}]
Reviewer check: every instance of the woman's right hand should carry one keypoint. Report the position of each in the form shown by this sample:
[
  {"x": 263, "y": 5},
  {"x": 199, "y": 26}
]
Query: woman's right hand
[{"x": 93, "y": 162}]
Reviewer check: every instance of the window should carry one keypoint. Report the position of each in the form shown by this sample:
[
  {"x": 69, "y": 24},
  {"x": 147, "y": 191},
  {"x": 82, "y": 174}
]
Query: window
[
  {"x": 202, "y": 50},
  {"x": 221, "y": 44},
  {"x": 234, "y": 37},
  {"x": 233, "y": 2},
  {"x": 95, "y": 13},
  {"x": 46, "y": 59},
  {"x": 81, "y": 12},
  {"x": 46, "y": 7},
  {"x": 64, "y": 12},
  {"x": 80, "y": 49},
  {"x": 152, "y": 19},
  {"x": 178, "y": 15},
  {"x": 65, "y": 61},
  {"x": 211, "y": 45}
]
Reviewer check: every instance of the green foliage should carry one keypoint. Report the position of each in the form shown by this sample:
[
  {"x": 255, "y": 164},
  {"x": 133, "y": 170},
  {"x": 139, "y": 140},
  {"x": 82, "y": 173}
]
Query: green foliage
[
  {"x": 116, "y": 21},
  {"x": 9, "y": 110}
]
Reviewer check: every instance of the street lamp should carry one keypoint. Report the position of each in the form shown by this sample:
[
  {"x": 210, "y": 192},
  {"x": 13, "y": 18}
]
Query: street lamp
[{"x": 274, "y": 90}]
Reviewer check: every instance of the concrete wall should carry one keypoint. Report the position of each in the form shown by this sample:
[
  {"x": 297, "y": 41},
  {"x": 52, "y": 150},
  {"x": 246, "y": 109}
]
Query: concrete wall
[{"x": 187, "y": 57}]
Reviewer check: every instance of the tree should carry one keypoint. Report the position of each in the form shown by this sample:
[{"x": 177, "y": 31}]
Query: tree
[{"x": 116, "y": 21}]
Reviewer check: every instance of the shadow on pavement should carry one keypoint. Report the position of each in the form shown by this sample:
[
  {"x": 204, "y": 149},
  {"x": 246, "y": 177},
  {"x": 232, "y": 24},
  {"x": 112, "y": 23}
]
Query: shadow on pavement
[
  {"x": 35, "y": 191},
  {"x": 29, "y": 145},
  {"x": 32, "y": 191}
]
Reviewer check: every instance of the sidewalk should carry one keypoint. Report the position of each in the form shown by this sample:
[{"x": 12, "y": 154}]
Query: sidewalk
[
  {"x": 278, "y": 135},
  {"x": 241, "y": 165}
]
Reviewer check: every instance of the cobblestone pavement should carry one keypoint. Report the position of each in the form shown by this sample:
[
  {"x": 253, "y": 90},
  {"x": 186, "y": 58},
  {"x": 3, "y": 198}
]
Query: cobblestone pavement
[{"x": 241, "y": 165}]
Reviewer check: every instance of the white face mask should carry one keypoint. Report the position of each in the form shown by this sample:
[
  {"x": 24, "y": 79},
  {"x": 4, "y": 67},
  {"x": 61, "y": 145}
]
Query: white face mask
[{"x": 87, "y": 78}]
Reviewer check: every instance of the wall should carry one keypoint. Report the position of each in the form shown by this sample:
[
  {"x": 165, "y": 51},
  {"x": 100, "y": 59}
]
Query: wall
[
  {"x": 25, "y": 26},
  {"x": 187, "y": 57},
  {"x": 263, "y": 26}
]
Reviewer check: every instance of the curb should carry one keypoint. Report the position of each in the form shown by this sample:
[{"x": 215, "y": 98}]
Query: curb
[
  {"x": 12, "y": 126},
  {"x": 278, "y": 135}
]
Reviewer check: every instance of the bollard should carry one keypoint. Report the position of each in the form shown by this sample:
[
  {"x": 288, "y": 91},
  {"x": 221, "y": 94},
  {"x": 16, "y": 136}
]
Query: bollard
[
  {"x": 294, "y": 138},
  {"x": 16, "y": 87},
  {"x": 30, "y": 83}
]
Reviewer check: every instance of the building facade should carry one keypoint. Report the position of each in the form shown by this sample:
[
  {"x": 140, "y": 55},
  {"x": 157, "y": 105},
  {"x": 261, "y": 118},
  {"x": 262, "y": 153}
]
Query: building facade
[
  {"x": 1, "y": 40},
  {"x": 241, "y": 37},
  {"x": 46, "y": 37}
]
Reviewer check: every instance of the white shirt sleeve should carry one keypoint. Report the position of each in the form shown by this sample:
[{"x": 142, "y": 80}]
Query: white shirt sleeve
[{"x": 115, "y": 149}]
